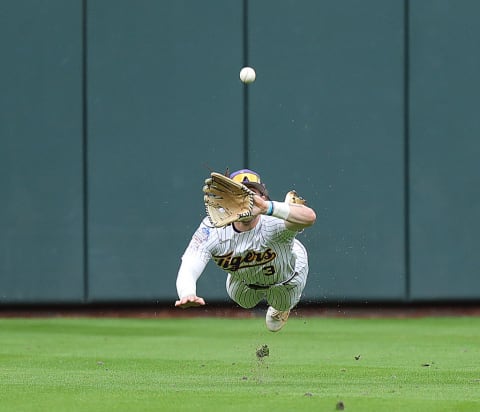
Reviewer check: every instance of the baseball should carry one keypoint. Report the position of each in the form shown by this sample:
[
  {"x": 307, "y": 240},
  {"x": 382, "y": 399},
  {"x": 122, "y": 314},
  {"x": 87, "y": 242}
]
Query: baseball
[{"x": 247, "y": 75}]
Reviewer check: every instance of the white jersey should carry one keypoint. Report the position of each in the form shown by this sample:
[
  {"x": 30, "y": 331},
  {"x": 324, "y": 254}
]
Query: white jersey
[{"x": 268, "y": 254}]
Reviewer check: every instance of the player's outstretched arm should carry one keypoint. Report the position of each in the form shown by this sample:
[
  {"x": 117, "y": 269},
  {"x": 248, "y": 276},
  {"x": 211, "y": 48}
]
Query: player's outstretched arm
[
  {"x": 296, "y": 216},
  {"x": 300, "y": 217},
  {"x": 190, "y": 270},
  {"x": 189, "y": 301}
]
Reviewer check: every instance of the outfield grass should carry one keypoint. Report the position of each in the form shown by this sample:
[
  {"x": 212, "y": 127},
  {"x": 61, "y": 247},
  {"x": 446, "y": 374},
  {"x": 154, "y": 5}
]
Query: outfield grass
[{"x": 210, "y": 364}]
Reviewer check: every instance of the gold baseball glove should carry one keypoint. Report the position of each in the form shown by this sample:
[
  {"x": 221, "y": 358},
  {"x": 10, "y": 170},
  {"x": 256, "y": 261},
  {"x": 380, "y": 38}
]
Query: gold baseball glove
[{"x": 226, "y": 201}]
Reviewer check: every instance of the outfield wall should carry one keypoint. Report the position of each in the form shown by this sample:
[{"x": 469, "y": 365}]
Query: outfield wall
[{"x": 114, "y": 111}]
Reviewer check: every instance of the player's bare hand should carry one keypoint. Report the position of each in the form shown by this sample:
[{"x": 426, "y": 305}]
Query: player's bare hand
[{"x": 189, "y": 301}]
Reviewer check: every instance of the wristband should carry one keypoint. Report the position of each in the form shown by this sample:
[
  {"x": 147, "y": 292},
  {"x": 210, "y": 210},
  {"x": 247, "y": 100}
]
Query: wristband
[
  {"x": 280, "y": 210},
  {"x": 270, "y": 209}
]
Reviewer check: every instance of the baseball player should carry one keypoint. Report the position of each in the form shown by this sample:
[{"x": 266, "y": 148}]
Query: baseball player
[{"x": 260, "y": 254}]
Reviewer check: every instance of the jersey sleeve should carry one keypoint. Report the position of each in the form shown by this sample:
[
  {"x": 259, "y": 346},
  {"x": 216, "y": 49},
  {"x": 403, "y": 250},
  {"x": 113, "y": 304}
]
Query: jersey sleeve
[
  {"x": 194, "y": 260},
  {"x": 202, "y": 243}
]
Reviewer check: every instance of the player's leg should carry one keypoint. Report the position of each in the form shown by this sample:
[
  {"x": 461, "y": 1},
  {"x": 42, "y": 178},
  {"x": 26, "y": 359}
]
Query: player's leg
[
  {"x": 285, "y": 297},
  {"x": 282, "y": 298},
  {"x": 243, "y": 295}
]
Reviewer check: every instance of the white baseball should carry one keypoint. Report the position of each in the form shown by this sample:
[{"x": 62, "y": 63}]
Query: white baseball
[{"x": 247, "y": 75}]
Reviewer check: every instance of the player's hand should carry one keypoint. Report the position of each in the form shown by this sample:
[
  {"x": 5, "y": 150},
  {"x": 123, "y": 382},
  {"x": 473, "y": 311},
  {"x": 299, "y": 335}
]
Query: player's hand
[{"x": 189, "y": 301}]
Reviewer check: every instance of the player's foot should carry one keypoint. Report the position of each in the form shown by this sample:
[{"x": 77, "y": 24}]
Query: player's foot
[{"x": 276, "y": 319}]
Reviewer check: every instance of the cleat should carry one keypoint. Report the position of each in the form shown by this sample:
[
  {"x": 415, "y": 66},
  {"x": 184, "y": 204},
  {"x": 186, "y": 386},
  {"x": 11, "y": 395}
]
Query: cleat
[{"x": 276, "y": 319}]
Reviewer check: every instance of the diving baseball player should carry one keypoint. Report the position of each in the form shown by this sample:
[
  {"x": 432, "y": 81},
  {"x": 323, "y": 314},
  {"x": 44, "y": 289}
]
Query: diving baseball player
[{"x": 259, "y": 253}]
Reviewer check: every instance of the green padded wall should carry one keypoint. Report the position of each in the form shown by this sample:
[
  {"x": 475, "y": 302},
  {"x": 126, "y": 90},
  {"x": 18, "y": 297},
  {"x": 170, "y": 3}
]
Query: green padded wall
[
  {"x": 327, "y": 119},
  {"x": 41, "y": 217},
  {"x": 445, "y": 148},
  {"x": 165, "y": 105}
]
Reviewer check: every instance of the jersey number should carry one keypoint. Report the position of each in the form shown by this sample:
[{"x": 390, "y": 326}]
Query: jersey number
[{"x": 268, "y": 270}]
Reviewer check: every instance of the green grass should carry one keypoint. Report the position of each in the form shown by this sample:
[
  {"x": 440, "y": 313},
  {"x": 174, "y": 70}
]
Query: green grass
[{"x": 205, "y": 364}]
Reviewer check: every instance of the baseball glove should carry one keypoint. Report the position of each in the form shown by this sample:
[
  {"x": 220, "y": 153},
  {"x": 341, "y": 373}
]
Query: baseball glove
[
  {"x": 294, "y": 197},
  {"x": 226, "y": 201}
]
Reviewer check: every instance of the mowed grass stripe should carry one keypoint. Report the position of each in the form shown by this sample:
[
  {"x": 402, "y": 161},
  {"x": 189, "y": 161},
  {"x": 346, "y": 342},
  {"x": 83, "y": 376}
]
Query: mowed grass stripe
[{"x": 85, "y": 364}]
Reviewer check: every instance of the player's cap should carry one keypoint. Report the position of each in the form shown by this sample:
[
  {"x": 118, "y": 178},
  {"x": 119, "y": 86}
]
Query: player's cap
[{"x": 250, "y": 179}]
